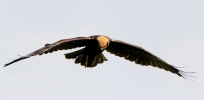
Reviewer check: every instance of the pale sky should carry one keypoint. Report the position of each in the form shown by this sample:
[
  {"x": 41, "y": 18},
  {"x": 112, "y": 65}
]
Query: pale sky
[{"x": 171, "y": 29}]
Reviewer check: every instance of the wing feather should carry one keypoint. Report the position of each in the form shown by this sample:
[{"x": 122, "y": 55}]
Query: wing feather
[
  {"x": 139, "y": 56},
  {"x": 59, "y": 45}
]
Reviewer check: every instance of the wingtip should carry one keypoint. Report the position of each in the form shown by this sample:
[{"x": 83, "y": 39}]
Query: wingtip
[
  {"x": 186, "y": 75},
  {"x": 6, "y": 65}
]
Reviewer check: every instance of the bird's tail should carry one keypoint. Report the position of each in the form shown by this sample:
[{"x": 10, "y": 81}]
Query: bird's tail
[
  {"x": 90, "y": 60},
  {"x": 85, "y": 59}
]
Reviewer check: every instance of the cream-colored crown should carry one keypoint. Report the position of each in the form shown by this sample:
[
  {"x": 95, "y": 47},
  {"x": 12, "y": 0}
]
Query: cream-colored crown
[{"x": 102, "y": 41}]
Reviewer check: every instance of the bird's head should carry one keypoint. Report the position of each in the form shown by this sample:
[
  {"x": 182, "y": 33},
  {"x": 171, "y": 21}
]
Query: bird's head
[{"x": 103, "y": 42}]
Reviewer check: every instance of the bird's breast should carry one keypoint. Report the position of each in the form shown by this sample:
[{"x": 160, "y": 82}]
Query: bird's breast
[{"x": 92, "y": 48}]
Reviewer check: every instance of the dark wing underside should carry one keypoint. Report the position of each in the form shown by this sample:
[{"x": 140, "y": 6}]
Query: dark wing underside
[
  {"x": 67, "y": 44},
  {"x": 63, "y": 44},
  {"x": 140, "y": 56}
]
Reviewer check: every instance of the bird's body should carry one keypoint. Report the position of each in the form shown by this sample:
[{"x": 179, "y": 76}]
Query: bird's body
[{"x": 92, "y": 53}]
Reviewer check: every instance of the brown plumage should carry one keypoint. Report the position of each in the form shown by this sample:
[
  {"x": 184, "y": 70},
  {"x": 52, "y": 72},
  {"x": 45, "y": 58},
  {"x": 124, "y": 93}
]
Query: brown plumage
[{"x": 91, "y": 54}]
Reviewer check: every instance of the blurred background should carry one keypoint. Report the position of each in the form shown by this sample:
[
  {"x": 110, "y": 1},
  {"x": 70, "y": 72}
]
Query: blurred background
[{"x": 172, "y": 30}]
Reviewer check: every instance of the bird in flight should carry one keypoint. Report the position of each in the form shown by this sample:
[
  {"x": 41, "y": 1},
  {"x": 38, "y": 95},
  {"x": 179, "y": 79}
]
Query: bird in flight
[{"x": 91, "y": 54}]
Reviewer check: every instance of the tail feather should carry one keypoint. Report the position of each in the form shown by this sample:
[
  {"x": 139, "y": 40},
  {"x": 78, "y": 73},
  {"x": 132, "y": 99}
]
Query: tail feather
[
  {"x": 84, "y": 59},
  {"x": 90, "y": 60},
  {"x": 79, "y": 59},
  {"x": 101, "y": 58}
]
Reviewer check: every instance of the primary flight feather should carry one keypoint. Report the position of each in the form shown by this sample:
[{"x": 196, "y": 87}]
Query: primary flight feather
[{"x": 91, "y": 54}]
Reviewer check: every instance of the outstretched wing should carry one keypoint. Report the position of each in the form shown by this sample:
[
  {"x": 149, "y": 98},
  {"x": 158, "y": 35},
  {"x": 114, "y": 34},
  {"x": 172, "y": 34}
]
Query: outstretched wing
[
  {"x": 140, "y": 56},
  {"x": 59, "y": 45}
]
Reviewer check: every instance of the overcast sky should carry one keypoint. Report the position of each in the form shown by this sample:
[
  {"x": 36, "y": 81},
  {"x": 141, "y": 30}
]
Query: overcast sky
[{"x": 171, "y": 29}]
